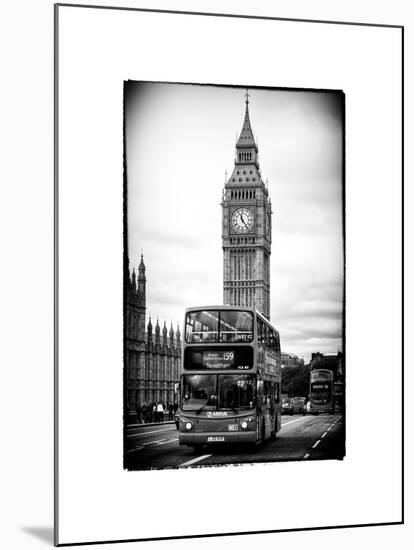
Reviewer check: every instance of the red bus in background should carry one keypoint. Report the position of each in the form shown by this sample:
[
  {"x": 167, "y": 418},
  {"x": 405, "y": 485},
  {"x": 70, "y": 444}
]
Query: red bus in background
[{"x": 321, "y": 392}]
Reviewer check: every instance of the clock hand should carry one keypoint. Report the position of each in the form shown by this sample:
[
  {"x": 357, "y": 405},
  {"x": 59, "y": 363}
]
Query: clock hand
[{"x": 245, "y": 224}]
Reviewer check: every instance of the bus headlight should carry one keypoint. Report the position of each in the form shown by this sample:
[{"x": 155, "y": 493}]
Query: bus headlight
[
  {"x": 244, "y": 424},
  {"x": 188, "y": 426}
]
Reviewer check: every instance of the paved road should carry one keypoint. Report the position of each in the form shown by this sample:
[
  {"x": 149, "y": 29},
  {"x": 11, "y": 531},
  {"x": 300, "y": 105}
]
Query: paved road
[{"x": 301, "y": 438}]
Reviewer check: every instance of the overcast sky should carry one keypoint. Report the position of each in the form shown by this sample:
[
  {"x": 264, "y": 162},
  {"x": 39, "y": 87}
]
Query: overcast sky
[{"x": 180, "y": 141}]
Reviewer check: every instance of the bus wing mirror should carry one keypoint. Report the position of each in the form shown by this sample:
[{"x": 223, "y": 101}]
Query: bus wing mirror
[{"x": 176, "y": 388}]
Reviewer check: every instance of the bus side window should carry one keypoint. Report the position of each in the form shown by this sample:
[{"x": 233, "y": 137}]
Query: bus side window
[
  {"x": 277, "y": 394},
  {"x": 259, "y": 330},
  {"x": 272, "y": 340},
  {"x": 266, "y": 392},
  {"x": 277, "y": 342}
]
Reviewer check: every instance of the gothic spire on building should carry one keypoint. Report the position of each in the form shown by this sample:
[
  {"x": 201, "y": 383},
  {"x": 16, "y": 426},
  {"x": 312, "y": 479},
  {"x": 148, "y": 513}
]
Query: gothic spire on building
[
  {"x": 157, "y": 332},
  {"x": 171, "y": 336},
  {"x": 164, "y": 334},
  {"x": 141, "y": 268},
  {"x": 141, "y": 275},
  {"x": 149, "y": 331},
  {"x": 246, "y": 138},
  {"x": 246, "y": 227}
]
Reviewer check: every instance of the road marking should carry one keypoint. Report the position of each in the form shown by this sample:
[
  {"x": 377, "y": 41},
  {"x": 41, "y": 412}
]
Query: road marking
[
  {"x": 194, "y": 460},
  {"x": 151, "y": 432},
  {"x": 322, "y": 436},
  {"x": 148, "y": 425},
  {"x": 333, "y": 424},
  {"x": 134, "y": 449},
  {"x": 168, "y": 441},
  {"x": 291, "y": 421},
  {"x": 155, "y": 443},
  {"x": 164, "y": 441}
]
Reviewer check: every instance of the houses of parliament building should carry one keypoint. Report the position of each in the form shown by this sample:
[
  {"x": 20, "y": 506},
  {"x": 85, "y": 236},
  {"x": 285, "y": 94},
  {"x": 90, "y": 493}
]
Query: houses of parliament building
[{"x": 152, "y": 354}]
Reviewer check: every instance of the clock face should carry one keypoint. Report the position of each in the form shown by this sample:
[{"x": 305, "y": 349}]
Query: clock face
[{"x": 242, "y": 220}]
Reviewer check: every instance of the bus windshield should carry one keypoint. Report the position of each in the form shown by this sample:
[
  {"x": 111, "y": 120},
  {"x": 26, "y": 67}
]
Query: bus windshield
[
  {"x": 223, "y": 391},
  {"x": 320, "y": 393},
  {"x": 211, "y": 326},
  {"x": 321, "y": 375}
]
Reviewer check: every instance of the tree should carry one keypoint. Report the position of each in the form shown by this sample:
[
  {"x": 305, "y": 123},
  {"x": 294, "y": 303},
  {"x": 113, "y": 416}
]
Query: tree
[{"x": 295, "y": 381}]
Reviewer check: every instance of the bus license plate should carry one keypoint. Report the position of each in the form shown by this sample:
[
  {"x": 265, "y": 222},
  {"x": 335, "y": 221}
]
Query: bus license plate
[{"x": 215, "y": 438}]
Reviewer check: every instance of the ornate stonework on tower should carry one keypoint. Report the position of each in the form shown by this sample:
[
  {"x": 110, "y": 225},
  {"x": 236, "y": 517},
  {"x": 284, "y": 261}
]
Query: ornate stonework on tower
[
  {"x": 246, "y": 228},
  {"x": 136, "y": 304}
]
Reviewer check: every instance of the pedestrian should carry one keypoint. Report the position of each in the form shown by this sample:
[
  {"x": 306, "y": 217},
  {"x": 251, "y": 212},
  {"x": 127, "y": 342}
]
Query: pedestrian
[
  {"x": 139, "y": 420},
  {"x": 154, "y": 412},
  {"x": 170, "y": 412},
  {"x": 143, "y": 412},
  {"x": 175, "y": 407},
  {"x": 160, "y": 411}
]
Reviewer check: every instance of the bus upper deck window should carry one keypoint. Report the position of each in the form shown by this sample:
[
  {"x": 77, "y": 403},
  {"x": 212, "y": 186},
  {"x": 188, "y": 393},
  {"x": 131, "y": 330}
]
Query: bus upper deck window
[
  {"x": 201, "y": 326},
  {"x": 236, "y": 326}
]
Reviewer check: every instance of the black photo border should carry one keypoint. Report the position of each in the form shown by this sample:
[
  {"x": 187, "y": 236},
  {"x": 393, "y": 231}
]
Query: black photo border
[
  {"x": 332, "y": 91},
  {"x": 56, "y": 269}
]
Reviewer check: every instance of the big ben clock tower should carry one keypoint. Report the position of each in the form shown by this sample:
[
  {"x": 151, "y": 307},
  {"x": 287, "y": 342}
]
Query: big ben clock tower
[{"x": 246, "y": 228}]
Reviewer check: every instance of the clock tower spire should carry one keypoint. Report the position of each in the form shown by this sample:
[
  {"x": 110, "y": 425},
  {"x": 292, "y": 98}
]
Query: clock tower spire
[{"x": 246, "y": 227}]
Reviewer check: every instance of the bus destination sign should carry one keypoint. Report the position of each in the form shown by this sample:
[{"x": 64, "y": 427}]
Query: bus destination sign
[
  {"x": 218, "y": 359},
  {"x": 319, "y": 386}
]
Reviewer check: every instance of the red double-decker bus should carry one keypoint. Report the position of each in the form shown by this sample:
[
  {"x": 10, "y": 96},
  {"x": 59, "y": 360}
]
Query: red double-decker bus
[{"x": 230, "y": 380}]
